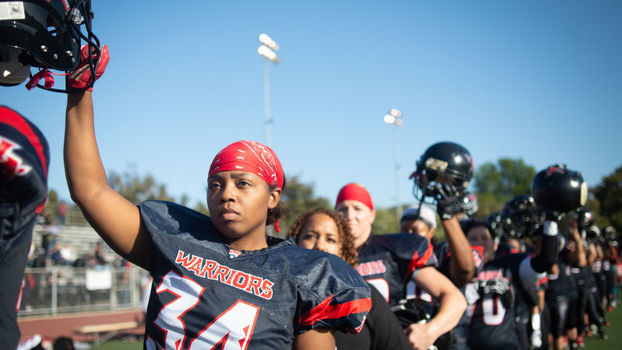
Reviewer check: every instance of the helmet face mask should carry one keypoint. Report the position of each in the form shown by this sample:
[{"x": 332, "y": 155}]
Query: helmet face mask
[
  {"x": 42, "y": 33},
  {"x": 495, "y": 225},
  {"x": 584, "y": 217},
  {"x": 469, "y": 203},
  {"x": 592, "y": 233},
  {"x": 520, "y": 217}
]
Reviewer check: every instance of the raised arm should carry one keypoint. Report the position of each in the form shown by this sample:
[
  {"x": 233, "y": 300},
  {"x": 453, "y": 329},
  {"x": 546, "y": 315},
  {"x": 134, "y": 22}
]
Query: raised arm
[
  {"x": 114, "y": 218},
  {"x": 461, "y": 264},
  {"x": 451, "y": 307}
]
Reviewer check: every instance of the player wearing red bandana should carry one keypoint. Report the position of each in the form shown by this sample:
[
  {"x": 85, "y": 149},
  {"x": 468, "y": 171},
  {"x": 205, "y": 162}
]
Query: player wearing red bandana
[
  {"x": 219, "y": 281},
  {"x": 390, "y": 262}
]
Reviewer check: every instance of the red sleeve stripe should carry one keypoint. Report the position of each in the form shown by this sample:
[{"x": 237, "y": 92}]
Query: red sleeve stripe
[
  {"x": 416, "y": 262},
  {"x": 325, "y": 310},
  {"x": 479, "y": 249},
  {"x": 15, "y": 120}
]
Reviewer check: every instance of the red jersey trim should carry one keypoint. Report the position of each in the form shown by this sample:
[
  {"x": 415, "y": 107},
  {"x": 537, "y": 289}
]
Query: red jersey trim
[
  {"x": 15, "y": 120},
  {"x": 416, "y": 262},
  {"x": 325, "y": 310}
]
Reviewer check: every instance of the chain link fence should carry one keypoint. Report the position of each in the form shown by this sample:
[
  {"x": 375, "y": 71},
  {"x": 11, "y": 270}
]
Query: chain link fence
[{"x": 65, "y": 289}]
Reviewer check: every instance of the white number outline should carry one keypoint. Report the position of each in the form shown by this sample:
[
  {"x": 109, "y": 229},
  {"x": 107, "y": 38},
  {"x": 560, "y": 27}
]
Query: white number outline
[
  {"x": 490, "y": 318},
  {"x": 188, "y": 294}
]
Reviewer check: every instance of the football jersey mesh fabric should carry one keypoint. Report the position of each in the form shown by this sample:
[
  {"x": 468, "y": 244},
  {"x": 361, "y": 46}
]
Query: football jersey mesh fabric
[
  {"x": 260, "y": 299},
  {"x": 388, "y": 262}
]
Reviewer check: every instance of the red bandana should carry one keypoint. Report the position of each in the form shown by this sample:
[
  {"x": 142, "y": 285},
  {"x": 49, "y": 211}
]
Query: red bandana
[
  {"x": 355, "y": 192},
  {"x": 252, "y": 157}
]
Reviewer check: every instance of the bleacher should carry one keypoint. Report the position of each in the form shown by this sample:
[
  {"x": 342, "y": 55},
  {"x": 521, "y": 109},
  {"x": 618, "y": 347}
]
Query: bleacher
[{"x": 81, "y": 239}]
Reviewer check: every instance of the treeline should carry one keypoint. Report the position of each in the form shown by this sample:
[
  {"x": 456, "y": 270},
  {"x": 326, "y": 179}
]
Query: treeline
[{"x": 494, "y": 183}]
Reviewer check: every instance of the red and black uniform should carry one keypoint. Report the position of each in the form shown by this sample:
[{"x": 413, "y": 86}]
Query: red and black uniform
[
  {"x": 559, "y": 291},
  {"x": 491, "y": 297},
  {"x": 441, "y": 250},
  {"x": 381, "y": 330},
  {"x": 389, "y": 262},
  {"x": 443, "y": 258},
  {"x": 24, "y": 159},
  {"x": 206, "y": 294}
]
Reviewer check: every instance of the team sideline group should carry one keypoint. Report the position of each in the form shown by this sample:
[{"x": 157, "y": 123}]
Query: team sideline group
[{"x": 539, "y": 274}]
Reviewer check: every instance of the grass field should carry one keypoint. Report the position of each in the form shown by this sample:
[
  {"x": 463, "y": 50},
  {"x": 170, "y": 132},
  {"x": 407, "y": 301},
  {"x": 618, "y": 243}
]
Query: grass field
[{"x": 614, "y": 331}]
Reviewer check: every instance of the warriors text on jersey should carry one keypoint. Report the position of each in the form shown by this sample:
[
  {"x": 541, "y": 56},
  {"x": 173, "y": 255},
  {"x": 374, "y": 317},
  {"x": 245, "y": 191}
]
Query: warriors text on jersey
[
  {"x": 388, "y": 262},
  {"x": 206, "y": 295}
]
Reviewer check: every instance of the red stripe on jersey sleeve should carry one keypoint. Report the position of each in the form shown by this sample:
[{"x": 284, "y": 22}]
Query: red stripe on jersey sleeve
[
  {"x": 325, "y": 310},
  {"x": 418, "y": 262},
  {"x": 16, "y": 121}
]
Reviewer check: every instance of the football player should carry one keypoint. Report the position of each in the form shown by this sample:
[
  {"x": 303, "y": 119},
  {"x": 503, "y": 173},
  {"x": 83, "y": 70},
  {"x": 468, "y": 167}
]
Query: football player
[
  {"x": 442, "y": 174},
  {"x": 218, "y": 281},
  {"x": 325, "y": 230},
  {"x": 492, "y": 291},
  {"x": 24, "y": 159},
  {"x": 389, "y": 262},
  {"x": 521, "y": 220}
]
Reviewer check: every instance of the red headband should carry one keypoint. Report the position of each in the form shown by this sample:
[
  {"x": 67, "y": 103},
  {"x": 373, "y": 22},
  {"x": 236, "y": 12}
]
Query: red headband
[
  {"x": 355, "y": 192},
  {"x": 252, "y": 157}
]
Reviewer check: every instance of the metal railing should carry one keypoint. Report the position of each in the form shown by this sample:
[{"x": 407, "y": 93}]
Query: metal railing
[{"x": 65, "y": 289}]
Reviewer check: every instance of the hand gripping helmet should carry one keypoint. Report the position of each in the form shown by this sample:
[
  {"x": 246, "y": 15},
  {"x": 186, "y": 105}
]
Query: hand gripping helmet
[
  {"x": 42, "y": 33},
  {"x": 559, "y": 189},
  {"x": 521, "y": 217},
  {"x": 446, "y": 163}
]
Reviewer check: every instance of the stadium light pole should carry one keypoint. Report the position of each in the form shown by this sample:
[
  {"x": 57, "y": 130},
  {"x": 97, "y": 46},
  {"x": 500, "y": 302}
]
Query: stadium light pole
[
  {"x": 394, "y": 117},
  {"x": 267, "y": 49}
]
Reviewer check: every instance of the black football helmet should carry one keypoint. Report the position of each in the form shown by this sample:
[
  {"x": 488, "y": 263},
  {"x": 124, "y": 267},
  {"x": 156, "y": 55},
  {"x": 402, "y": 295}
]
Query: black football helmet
[
  {"x": 592, "y": 233},
  {"x": 584, "y": 217},
  {"x": 610, "y": 232},
  {"x": 558, "y": 189},
  {"x": 45, "y": 34},
  {"x": 469, "y": 203},
  {"x": 443, "y": 163},
  {"x": 495, "y": 224},
  {"x": 520, "y": 217}
]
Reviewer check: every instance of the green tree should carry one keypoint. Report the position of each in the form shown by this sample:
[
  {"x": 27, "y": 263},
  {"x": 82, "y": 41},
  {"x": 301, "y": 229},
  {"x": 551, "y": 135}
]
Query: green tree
[
  {"x": 299, "y": 197},
  {"x": 609, "y": 196},
  {"x": 137, "y": 189},
  {"x": 386, "y": 221},
  {"x": 496, "y": 183}
]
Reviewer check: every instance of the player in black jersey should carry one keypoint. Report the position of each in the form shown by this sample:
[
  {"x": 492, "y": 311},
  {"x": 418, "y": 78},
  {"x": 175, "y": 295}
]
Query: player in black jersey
[
  {"x": 325, "y": 230},
  {"x": 452, "y": 260},
  {"x": 218, "y": 281},
  {"x": 456, "y": 259},
  {"x": 560, "y": 289},
  {"x": 492, "y": 291},
  {"x": 389, "y": 262},
  {"x": 24, "y": 159}
]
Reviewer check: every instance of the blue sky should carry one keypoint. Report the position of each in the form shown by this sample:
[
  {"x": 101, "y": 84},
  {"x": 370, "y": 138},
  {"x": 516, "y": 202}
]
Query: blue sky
[{"x": 541, "y": 80}]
